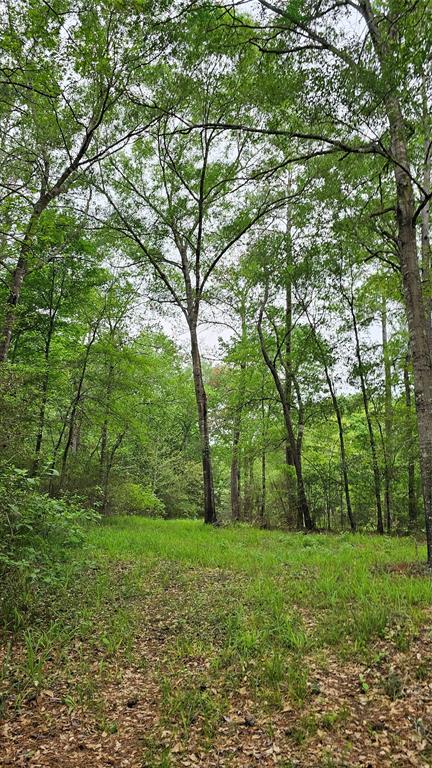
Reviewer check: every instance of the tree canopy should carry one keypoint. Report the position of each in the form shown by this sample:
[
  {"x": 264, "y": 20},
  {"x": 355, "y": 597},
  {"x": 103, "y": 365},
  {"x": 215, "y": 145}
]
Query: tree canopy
[{"x": 215, "y": 273}]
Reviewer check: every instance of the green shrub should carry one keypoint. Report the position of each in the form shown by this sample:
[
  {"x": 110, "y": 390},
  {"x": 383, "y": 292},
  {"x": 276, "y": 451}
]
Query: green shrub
[
  {"x": 35, "y": 532},
  {"x": 135, "y": 499},
  {"x": 181, "y": 489}
]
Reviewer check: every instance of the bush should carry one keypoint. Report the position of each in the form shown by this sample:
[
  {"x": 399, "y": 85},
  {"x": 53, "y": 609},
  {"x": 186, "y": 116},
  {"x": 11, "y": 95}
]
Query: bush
[
  {"x": 35, "y": 530},
  {"x": 135, "y": 499},
  {"x": 181, "y": 489}
]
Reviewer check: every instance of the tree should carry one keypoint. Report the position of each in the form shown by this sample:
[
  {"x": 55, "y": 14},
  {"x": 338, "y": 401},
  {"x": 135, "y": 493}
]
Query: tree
[
  {"x": 373, "y": 83},
  {"x": 200, "y": 195},
  {"x": 65, "y": 96}
]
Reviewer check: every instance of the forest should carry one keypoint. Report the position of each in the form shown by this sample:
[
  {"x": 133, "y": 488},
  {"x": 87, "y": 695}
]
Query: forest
[{"x": 215, "y": 383}]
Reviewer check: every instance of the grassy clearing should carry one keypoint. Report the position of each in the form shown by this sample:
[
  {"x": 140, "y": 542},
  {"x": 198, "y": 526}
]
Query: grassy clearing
[
  {"x": 339, "y": 581},
  {"x": 222, "y": 619}
]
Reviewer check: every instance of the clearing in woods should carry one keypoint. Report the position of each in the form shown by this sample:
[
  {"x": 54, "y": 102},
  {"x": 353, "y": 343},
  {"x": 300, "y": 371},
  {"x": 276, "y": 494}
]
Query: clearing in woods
[{"x": 176, "y": 644}]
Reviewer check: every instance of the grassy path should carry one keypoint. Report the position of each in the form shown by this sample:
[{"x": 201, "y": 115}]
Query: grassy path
[{"x": 179, "y": 645}]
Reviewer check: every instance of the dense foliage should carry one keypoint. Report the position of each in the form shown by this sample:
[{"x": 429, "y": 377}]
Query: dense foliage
[{"x": 262, "y": 173}]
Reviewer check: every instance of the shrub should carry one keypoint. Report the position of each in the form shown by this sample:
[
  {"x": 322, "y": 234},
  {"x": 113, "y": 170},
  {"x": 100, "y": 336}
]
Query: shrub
[
  {"x": 181, "y": 489},
  {"x": 135, "y": 499},
  {"x": 35, "y": 531}
]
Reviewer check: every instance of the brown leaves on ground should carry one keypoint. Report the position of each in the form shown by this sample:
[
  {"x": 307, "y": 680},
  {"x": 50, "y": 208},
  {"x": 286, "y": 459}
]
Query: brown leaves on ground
[{"x": 370, "y": 717}]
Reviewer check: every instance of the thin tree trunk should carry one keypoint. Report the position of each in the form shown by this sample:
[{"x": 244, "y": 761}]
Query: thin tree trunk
[
  {"x": 235, "y": 470},
  {"x": 294, "y": 510},
  {"x": 299, "y": 440},
  {"x": 412, "y": 501},
  {"x": 341, "y": 504},
  {"x": 301, "y": 494},
  {"x": 288, "y": 322},
  {"x": 263, "y": 521},
  {"x": 235, "y": 462},
  {"x": 53, "y": 310},
  {"x": 107, "y": 470},
  {"x": 41, "y": 420},
  {"x": 75, "y": 403},
  {"x": 338, "y": 414},
  {"x": 388, "y": 419},
  {"x": 201, "y": 400},
  {"x": 104, "y": 456},
  {"x": 344, "y": 464},
  {"x": 51, "y": 487},
  {"x": 248, "y": 496},
  {"x": 372, "y": 444}
]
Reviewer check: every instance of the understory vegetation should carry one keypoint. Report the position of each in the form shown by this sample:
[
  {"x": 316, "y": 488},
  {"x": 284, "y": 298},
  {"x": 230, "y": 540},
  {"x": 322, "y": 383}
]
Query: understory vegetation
[{"x": 234, "y": 628}]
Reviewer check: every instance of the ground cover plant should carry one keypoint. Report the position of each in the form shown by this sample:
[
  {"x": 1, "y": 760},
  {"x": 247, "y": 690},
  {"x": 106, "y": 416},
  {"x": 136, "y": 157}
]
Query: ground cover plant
[{"x": 171, "y": 643}]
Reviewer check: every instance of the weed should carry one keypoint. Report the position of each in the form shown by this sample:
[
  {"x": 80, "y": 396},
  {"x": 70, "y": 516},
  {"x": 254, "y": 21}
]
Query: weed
[
  {"x": 393, "y": 685},
  {"x": 422, "y": 670},
  {"x": 306, "y": 727},
  {"x": 331, "y": 720},
  {"x": 189, "y": 704}
]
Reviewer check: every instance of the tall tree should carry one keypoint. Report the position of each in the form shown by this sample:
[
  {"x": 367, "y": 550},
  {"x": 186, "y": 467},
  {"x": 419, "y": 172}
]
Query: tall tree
[
  {"x": 372, "y": 81},
  {"x": 201, "y": 200},
  {"x": 66, "y": 75}
]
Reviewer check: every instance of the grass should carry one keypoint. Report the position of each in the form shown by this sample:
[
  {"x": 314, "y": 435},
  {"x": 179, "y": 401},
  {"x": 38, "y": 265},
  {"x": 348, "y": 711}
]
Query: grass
[
  {"x": 340, "y": 580},
  {"x": 237, "y": 612}
]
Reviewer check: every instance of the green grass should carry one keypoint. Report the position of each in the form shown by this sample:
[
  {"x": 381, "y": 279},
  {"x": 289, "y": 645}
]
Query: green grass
[
  {"x": 260, "y": 604},
  {"x": 236, "y": 609},
  {"x": 339, "y": 580}
]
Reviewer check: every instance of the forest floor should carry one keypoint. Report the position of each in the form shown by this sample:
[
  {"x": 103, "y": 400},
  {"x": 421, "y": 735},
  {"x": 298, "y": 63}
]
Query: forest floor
[{"x": 173, "y": 644}]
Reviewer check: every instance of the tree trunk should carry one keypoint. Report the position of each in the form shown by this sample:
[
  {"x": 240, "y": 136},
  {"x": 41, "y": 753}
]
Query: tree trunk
[
  {"x": 338, "y": 414},
  {"x": 235, "y": 463},
  {"x": 248, "y": 485},
  {"x": 418, "y": 326},
  {"x": 301, "y": 493},
  {"x": 201, "y": 400},
  {"x": 418, "y": 320},
  {"x": 104, "y": 456},
  {"x": 412, "y": 501},
  {"x": 51, "y": 486},
  {"x": 11, "y": 306},
  {"x": 53, "y": 309},
  {"x": 388, "y": 419},
  {"x": 263, "y": 521},
  {"x": 235, "y": 470},
  {"x": 41, "y": 421},
  {"x": 294, "y": 510},
  {"x": 107, "y": 470},
  {"x": 299, "y": 441},
  {"x": 344, "y": 466},
  {"x": 18, "y": 277},
  {"x": 341, "y": 504},
  {"x": 75, "y": 403},
  {"x": 425, "y": 220},
  {"x": 372, "y": 444}
]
